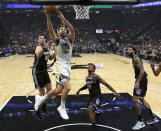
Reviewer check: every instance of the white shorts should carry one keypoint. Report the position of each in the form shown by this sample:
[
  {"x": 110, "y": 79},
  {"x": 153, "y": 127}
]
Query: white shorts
[{"x": 63, "y": 72}]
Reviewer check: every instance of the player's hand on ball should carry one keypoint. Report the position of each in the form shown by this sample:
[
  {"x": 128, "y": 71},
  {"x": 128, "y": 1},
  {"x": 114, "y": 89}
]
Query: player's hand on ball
[
  {"x": 119, "y": 96},
  {"x": 136, "y": 85},
  {"x": 77, "y": 94},
  {"x": 45, "y": 11}
]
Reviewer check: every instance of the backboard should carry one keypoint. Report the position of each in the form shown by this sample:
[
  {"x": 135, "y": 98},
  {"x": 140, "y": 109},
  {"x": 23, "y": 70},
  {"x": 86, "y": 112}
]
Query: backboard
[{"x": 84, "y": 2}]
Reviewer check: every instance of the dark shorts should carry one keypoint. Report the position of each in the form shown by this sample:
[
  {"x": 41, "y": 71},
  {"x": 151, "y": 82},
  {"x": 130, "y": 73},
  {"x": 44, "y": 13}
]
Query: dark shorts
[
  {"x": 141, "y": 91},
  {"x": 41, "y": 79},
  {"x": 95, "y": 102}
]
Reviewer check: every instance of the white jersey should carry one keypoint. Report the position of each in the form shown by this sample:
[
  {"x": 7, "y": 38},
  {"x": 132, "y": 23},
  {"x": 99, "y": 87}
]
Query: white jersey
[
  {"x": 63, "y": 52},
  {"x": 64, "y": 49}
]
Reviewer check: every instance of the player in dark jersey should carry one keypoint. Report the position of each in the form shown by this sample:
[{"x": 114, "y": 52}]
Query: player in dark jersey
[
  {"x": 39, "y": 71},
  {"x": 157, "y": 71},
  {"x": 140, "y": 89},
  {"x": 93, "y": 85}
]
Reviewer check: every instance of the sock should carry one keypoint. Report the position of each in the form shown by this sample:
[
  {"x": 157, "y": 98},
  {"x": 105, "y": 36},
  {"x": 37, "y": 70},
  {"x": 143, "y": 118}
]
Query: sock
[
  {"x": 151, "y": 113},
  {"x": 62, "y": 104},
  {"x": 44, "y": 98},
  {"x": 140, "y": 118}
]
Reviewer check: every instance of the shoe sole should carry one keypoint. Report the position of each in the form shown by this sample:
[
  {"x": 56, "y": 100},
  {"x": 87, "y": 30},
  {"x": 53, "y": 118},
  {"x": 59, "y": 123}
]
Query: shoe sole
[
  {"x": 153, "y": 122},
  {"x": 38, "y": 117},
  {"x": 61, "y": 116},
  {"x": 139, "y": 128}
]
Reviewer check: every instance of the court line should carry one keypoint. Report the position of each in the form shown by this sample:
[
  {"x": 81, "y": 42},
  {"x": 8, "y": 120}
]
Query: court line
[
  {"x": 6, "y": 103},
  {"x": 156, "y": 113},
  {"x": 81, "y": 124}
]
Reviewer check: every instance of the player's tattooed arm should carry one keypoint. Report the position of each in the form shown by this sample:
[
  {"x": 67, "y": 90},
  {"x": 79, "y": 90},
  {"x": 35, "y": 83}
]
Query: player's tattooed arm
[
  {"x": 50, "y": 28},
  {"x": 71, "y": 28},
  {"x": 141, "y": 74},
  {"x": 83, "y": 88},
  {"x": 102, "y": 81},
  {"x": 157, "y": 71}
]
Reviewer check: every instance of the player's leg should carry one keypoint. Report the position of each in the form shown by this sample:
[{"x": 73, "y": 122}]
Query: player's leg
[
  {"x": 139, "y": 124},
  {"x": 93, "y": 106},
  {"x": 153, "y": 118},
  {"x": 92, "y": 116},
  {"x": 65, "y": 91},
  {"x": 39, "y": 84},
  {"x": 48, "y": 86},
  {"x": 138, "y": 94},
  {"x": 40, "y": 100},
  {"x": 138, "y": 108}
]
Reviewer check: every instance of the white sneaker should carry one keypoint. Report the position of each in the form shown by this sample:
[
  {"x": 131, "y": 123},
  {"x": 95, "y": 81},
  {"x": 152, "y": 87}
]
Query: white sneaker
[
  {"x": 63, "y": 113},
  {"x": 138, "y": 125},
  {"x": 38, "y": 102}
]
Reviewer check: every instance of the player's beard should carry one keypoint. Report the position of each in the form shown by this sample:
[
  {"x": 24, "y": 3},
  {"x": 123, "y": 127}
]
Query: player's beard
[
  {"x": 90, "y": 72},
  {"x": 131, "y": 55},
  {"x": 62, "y": 35}
]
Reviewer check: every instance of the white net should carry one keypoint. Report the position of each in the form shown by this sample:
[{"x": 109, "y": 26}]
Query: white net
[{"x": 82, "y": 12}]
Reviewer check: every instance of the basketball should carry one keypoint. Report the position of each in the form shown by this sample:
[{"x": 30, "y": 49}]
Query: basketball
[{"x": 52, "y": 10}]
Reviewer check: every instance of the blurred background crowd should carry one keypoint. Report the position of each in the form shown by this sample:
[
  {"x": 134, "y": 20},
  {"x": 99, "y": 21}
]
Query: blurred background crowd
[{"x": 110, "y": 33}]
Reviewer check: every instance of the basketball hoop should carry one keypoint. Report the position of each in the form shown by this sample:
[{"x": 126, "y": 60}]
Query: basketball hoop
[{"x": 82, "y": 12}]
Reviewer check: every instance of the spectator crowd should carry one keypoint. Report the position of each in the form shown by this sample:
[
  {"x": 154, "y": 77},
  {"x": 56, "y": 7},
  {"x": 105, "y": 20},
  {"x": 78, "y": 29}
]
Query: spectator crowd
[{"x": 24, "y": 29}]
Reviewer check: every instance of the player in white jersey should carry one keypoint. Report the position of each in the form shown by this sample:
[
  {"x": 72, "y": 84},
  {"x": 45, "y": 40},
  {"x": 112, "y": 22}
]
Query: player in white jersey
[{"x": 63, "y": 50}]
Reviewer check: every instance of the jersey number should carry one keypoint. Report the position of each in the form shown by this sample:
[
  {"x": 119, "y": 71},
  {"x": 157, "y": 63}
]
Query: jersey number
[{"x": 89, "y": 86}]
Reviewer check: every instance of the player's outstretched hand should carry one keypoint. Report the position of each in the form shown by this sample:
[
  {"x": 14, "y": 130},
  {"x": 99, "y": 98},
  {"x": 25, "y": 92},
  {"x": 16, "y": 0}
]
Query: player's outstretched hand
[
  {"x": 119, "y": 96},
  {"x": 77, "y": 94}
]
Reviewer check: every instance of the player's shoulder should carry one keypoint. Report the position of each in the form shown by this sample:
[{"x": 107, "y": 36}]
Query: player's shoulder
[
  {"x": 96, "y": 76},
  {"x": 38, "y": 47},
  {"x": 136, "y": 59}
]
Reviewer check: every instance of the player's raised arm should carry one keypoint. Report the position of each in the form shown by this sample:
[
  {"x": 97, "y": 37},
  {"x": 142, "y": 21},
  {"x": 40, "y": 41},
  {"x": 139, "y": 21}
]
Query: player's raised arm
[
  {"x": 50, "y": 27},
  {"x": 72, "y": 31},
  {"x": 157, "y": 71},
  {"x": 107, "y": 85}
]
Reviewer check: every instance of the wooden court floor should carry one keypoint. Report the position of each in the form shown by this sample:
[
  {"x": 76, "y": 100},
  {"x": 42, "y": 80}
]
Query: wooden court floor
[{"x": 16, "y": 76}]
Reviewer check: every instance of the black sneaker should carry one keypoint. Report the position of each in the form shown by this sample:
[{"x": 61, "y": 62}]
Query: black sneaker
[
  {"x": 153, "y": 120},
  {"x": 44, "y": 109},
  {"x": 97, "y": 116},
  {"x": 93, "y": 128},
  {"x": 38, "y": 115}
]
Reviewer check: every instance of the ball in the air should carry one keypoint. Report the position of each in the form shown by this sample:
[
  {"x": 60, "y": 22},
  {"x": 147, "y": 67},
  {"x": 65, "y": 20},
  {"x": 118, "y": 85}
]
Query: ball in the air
[{"x": 52, "y": 10}]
